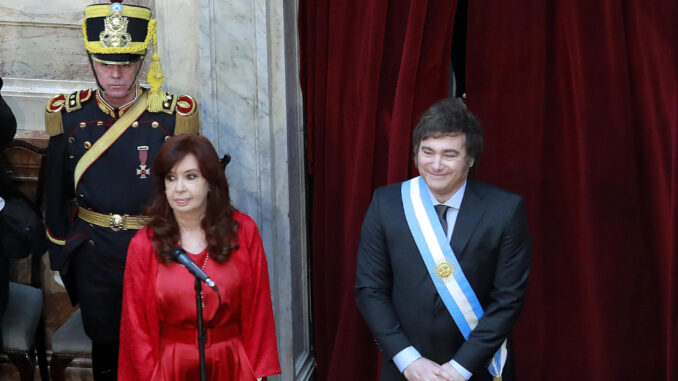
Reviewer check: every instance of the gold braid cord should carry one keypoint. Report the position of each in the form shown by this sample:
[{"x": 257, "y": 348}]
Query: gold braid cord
[
  {"x": 133, "y": 47},
  {"x": 108, "y": 138},
  {"x": 95, "y": 47},
  {"x": 155, "y": 77}
]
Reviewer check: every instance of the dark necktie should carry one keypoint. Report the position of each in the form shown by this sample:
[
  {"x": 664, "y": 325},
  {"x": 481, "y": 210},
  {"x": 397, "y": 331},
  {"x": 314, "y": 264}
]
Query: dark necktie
[{"x": 441, "y": 210}]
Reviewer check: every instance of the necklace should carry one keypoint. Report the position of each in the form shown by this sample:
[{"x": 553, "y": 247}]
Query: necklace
[
  {"x": 207, "y": 257},
  {"x": 204, "y": 264}
]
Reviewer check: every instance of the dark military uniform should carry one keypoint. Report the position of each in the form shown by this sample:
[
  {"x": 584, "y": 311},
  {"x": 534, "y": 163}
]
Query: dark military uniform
[
  {"x": 89, "y": 225},
  {"x": 98, "y": 168},
  {"x": 116, "y": 183}
]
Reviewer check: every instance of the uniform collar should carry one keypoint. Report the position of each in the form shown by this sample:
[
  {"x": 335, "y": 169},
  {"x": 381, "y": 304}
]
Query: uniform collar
[{"x": 112, "y": 111}]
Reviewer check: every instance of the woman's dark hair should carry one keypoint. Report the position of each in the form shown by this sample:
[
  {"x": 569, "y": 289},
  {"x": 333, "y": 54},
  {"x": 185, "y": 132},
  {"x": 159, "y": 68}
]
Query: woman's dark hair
[{"x": 218, "y": 224}]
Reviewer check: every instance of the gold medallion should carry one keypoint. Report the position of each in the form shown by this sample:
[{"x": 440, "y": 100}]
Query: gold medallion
[{"x": 444, "y": 270}]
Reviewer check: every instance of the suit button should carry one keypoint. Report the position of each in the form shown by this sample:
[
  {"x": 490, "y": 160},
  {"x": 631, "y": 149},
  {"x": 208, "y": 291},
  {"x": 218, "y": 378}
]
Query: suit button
[{"x": 90, "y": 242}]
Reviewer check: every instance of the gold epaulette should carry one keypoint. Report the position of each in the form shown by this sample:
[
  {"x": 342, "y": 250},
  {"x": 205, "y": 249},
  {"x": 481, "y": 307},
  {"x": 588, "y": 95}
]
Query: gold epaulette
[
  {"x": 60, "y": 102},
  {"x": 53, "y": 125},
  {"x": 187, "y": 119}
]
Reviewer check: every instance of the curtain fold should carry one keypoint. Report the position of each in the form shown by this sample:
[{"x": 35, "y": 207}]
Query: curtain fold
[
  {"x": 579, "y": 104},
  {"x": 369, "y": 70}
]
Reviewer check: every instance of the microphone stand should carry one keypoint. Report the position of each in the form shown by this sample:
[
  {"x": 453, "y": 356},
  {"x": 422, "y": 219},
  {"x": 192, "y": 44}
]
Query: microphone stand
[{"x": 201, "y": 331}]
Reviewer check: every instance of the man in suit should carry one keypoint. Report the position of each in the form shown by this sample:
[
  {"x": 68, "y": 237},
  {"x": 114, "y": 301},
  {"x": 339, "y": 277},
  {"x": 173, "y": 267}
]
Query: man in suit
[{"x": 443, "y": 260}]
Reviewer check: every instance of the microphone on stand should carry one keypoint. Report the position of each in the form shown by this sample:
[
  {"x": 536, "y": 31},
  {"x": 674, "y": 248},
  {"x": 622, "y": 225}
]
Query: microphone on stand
[{"x": 179, "y": 256}]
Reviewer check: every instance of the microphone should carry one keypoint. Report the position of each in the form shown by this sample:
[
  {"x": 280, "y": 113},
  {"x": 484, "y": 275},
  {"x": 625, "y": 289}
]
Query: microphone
[{"x": 179, "y": 256}]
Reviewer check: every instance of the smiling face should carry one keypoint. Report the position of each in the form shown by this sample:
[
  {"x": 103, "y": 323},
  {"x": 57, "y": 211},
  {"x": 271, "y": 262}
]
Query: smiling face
[
  {"x": 444, "y": 165},
  {"x": 186, "y": 189},
  {"x": 117, "y": 81}
]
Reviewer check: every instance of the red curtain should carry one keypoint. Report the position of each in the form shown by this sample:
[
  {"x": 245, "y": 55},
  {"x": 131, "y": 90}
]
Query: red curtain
[
  {"x": 579, "y": 105},
  {"x": 369, "y": 69}
]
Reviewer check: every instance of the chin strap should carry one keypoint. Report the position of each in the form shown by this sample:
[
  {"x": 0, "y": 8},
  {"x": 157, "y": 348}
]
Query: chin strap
[{"x": 96, "y": 79}]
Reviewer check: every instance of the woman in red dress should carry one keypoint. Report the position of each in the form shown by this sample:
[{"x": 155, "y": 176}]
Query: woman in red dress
[{"x": 158, "y": 334}]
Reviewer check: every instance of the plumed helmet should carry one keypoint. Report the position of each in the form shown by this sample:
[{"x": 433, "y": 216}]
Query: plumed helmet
[
  {"x": 114, "y": 33},
  {"x": 120, "y": 34}
]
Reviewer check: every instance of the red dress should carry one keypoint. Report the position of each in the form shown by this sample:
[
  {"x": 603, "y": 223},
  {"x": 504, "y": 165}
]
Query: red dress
[{"x": 158, "y": 334}]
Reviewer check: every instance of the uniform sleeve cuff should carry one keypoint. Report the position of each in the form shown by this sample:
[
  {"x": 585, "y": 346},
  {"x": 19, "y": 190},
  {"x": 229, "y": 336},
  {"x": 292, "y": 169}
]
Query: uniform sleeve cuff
[
  {"x": 465, "y": 373},
  {"x": 406, "y": 357}
]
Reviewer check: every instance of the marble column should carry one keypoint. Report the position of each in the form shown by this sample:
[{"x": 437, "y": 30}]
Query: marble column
[{"x": 251, "y": 109}]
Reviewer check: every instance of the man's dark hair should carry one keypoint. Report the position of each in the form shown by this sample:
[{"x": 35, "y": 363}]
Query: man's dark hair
[{"x": 450, "y": 116}]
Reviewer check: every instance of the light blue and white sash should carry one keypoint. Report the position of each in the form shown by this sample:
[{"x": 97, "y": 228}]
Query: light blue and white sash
[{"x": 442, "y": 264}]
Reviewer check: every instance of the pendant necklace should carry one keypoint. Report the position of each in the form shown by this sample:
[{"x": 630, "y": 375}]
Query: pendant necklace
[
  {"x": 204, "y": 265},
  {"x": 207, "y": 257}
]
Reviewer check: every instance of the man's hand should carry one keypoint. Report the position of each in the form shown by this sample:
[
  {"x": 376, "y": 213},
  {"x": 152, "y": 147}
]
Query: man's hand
[
  {"x": 456, "y": 376},
  {"x": 423, "y": 369}
]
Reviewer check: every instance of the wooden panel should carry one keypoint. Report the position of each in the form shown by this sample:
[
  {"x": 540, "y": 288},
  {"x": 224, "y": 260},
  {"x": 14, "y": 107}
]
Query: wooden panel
[{"x": 23, "y": 165}]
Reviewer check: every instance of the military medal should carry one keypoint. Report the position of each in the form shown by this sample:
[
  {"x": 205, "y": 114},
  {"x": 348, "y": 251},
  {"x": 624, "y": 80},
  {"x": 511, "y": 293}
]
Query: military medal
[{"x": 142, "y": 171}]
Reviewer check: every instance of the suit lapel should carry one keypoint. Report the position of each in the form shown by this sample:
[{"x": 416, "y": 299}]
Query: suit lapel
[{"x": 470, "y": 213}]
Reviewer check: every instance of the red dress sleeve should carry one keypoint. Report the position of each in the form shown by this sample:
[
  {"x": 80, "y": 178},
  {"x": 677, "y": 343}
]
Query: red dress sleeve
[
  {"x": 258, "y": 327},
  {"x": 139, "y": 323}
]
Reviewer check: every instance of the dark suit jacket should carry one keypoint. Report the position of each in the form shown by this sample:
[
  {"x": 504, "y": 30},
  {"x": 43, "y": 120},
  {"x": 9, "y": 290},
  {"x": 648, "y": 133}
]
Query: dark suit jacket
[{"x": 399, "y": 302}]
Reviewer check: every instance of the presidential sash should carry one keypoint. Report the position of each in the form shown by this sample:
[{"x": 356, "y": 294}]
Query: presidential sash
[{"x": 443, "y": 267}]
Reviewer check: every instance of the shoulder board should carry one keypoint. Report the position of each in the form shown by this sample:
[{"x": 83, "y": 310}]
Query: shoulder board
[
  {"x": 187, "y": 120},
  {"x": 77, "y": 98},
  {"x": 53, "y": 109},
  {"x": 169, "y": 104}
]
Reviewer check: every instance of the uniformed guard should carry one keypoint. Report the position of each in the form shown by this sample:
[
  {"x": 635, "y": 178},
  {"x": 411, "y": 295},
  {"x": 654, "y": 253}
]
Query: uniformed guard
[{"x": 102, "y": 144}]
